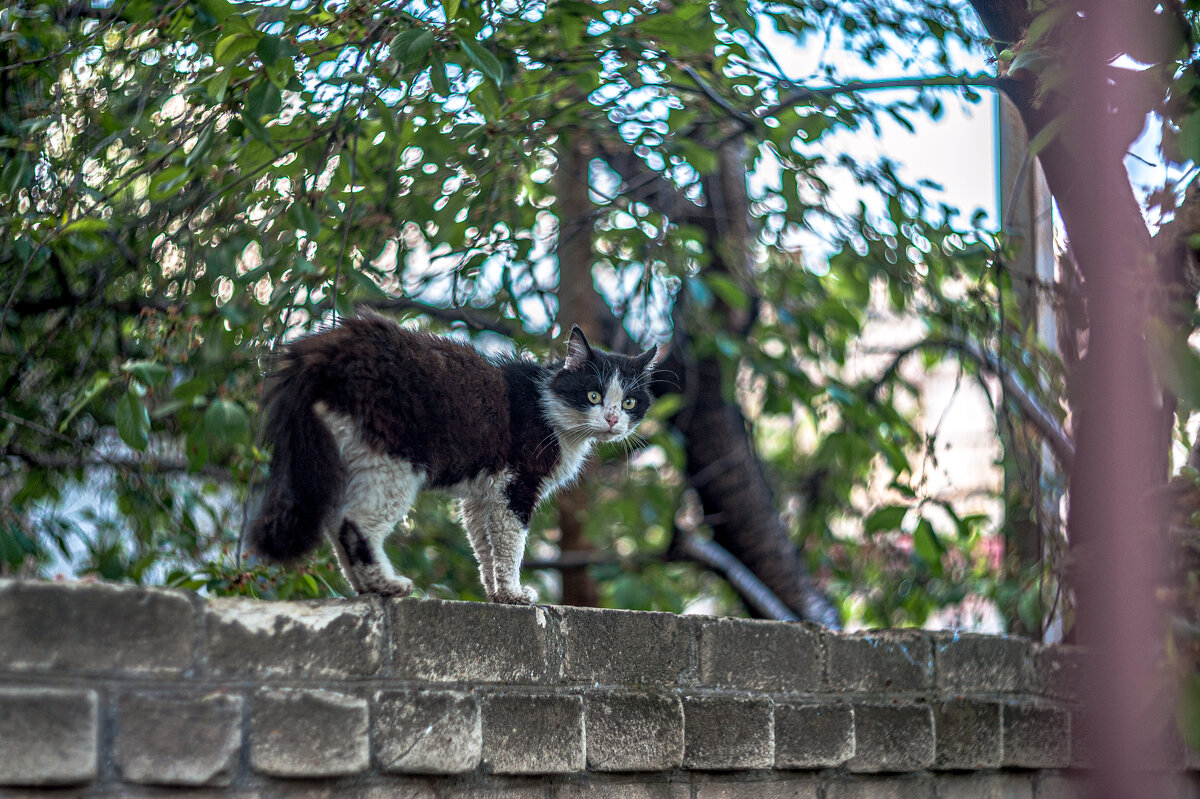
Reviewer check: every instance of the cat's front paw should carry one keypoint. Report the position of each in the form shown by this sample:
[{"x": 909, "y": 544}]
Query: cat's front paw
[{"x": 523, "y": 595}]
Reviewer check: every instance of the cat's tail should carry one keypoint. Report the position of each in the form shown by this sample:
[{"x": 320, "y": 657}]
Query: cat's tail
[{"x": 307, "y": 478}]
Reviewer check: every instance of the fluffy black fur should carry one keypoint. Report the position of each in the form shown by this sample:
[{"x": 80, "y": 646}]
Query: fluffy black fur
[{"x": 307, "y": 476}]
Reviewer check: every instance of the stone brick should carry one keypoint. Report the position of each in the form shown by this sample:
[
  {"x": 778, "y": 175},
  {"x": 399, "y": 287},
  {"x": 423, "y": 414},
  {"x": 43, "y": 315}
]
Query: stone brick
[
  {"x": 733, "y": 788},
  {"x": 48, "y": 736},
  {"x": 975, "y": 663},
  {"x": 301, "y": 733},
  {"x": 813, "y": 736},
  {"x": 293, "y": 639},
  {"x": 399, "y": 789},
  {"x": 879, "y": 662},
  {"x": 1036, "y": 736},
  {"x": 427, "y": 732},
  {"x": 532, "y": 790},
  {"x": 760, "y": 655},
  {"x": 628, "y": 648},
  {"x": 985, "y": 786},
  {"x": 892, "y": 738},
  {"x": 967, "y": 734},
  {"x": 533, "y": 734},
  {"x": 633, "y": 732},
  {"x": 176, "y": 740},
  {"x": 728, "y": 733},
  {"x": 899, "y": 787},
  {"x": 589, "y": 788},
  {"x": 461, "y": 642},
  {"x": 1058, "y": 670},
  {"x": 91, "y": 628}
]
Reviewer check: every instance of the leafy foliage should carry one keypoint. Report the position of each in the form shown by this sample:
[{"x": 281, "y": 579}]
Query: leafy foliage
[{"x": 187, "y": 184}]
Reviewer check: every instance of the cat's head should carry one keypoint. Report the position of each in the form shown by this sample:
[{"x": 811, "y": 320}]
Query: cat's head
[{"x": 597, "y": 394}]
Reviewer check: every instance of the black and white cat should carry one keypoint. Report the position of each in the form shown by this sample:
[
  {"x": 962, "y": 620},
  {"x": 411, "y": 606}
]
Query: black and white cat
[{"x": 367, "y": 414}]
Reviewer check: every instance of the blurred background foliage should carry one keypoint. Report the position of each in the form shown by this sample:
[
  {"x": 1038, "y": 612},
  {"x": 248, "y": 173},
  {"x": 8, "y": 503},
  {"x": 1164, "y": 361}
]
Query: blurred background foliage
[{"x": 187, "y": 184}]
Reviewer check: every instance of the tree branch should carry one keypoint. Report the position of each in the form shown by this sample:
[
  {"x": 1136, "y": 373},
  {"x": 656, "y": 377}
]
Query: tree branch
[
  {"x": 1031, "y": 409},
  {"x": 748, "y": 122},
  {"x": 475, "y": 321},
  {"x": 753, "y": 591},
  {"x": 56, "y": 462},
  {"x": 807, "y": 93},
  {"x": 685, "y": 546}
]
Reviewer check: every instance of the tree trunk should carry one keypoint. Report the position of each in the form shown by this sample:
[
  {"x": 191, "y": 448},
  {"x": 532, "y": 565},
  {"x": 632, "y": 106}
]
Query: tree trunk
[
  {"x": 580, "y": 305},
  {"x": 722, "y": 465}
]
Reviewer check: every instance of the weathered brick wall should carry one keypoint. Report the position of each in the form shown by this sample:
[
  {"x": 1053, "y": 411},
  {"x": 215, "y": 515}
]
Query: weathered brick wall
[{"x": 123, "y": 691}]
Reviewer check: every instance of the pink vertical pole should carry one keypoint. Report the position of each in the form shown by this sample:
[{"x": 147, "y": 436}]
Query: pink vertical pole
[{"x": 1115, "y": 535}]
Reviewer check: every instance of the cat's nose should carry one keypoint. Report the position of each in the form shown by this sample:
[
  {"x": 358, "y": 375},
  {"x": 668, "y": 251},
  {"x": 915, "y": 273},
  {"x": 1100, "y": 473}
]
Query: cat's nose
[{"x": 611, "y": 417}]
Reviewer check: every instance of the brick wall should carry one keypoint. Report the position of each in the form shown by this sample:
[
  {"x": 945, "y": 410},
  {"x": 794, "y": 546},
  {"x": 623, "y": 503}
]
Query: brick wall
[{"x": 115, "y": 690}]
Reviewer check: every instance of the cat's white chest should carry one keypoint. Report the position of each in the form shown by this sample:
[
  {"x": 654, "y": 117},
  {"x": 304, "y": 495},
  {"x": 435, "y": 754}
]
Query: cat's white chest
[{"x": 570, "y": 461}]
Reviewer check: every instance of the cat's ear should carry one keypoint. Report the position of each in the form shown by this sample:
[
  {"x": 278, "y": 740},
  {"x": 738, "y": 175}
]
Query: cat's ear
[
  {"x": 578, "y": 349},
  {"x": 645, "y": 361}
]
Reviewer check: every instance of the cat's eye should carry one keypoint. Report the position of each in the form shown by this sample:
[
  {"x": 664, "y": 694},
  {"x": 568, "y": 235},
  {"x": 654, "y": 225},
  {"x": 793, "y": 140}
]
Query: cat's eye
[
  {"x": 629, "y": 403},
  {"x": 594, "y": 397}
]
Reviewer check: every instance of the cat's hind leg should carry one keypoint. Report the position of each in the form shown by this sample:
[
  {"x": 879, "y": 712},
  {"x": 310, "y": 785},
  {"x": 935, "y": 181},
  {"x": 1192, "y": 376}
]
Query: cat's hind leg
[{"x": 378, "y": 495}]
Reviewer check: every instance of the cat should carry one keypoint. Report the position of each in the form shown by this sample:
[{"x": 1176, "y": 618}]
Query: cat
[{"x": 367, "y": 414}]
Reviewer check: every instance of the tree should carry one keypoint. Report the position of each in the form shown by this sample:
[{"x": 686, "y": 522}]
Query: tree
[{"x": 187, "y": 185}]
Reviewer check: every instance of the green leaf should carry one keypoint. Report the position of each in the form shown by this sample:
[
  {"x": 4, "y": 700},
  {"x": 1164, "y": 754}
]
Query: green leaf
[
  {"x": 729, "y": 291},
  {"x": 232, "y": 47},
  {"x": 201, "y": 148},
  {"x": 437, "y": 74},
  {"x": 369, "y": 286},
  {"x": 1043, "y": 23},
  {"x": 219, "y": 9},
  {"x": 148, "y": 372},
  {"x": 482, "y": 58},
  {"x": 133, "y": 421},
  {"x": 257, "y": 129},
  {"x": 226, "y": 420},
  {"x": 1187, "y": 711},
  {"x": 268, "y": 49},
  {"x": 928, "y": 546},
  {"x": 100, "y": 381},
  {"x": 218, "y": 85},
  {"x": 665, "y": 407},
  {"x": 387, "y": 116},
  {"x": 263, "y": 100},
  {"x": 15, "y": 174},
  {"x": 86, "y": 225},
  {"x": 1033, "y": 61},
  {"x": 196, "y": 448},
  {"x": 302, "y": 214},
  {"x": 408, "y": 46},
  {"x": 1188, "y": 140},
  {"x": 886, "y": 518},
  {"x": 699, "y": 156},
  {"x": 1175, "y": 362},
  {"x": 451, "y": 7}
]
